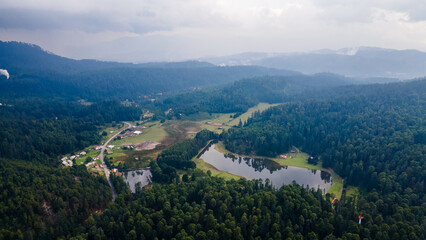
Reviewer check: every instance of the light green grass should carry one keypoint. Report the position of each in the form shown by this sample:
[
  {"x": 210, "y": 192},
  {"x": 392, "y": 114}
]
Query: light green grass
[
  {"x": 116, "y": 153},
  {"x": 90, "y": 153},
  {"x": 298, "y": 159},
  {"x": 336, "y": 187},
  {"x": 114, "y": 131},
  {"x": 216, "y": 119},
  {"x": 220, "y": 147},
  {"x": 259, "y": 107},
  {"x": 155, "y": 133},
  {"x": 215, "y": 172}
]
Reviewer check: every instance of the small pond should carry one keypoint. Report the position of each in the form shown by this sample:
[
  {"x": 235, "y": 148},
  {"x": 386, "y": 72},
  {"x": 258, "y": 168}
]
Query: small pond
[
  {"x": 255, "y": 168},
  {"x": 142, "y": 177}
]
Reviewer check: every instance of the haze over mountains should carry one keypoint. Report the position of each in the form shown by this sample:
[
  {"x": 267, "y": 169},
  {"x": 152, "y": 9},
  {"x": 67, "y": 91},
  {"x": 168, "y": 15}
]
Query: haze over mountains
[{"x": 360, "y": 62}]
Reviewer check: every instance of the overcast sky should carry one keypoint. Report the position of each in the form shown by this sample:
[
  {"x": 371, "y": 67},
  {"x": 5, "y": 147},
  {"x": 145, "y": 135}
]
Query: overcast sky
[{"x": 158, "y": 30}]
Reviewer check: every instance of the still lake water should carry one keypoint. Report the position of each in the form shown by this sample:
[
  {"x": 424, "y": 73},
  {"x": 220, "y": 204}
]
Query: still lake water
[
  {"x": 138, "y": 176},
  {"x": 255, "y": 168}
]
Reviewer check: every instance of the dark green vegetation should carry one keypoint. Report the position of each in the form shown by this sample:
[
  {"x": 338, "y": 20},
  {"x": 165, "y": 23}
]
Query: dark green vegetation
[
  {"x": 241, "y": 95},
  {"x": 179, "y": 156},
  {"x": 210, "y": 208},
  {"x": 375, "y": 140},
  {"x": 44, "y": 203},
  {"x": 37, "y": 130},
  {"x": 37, "y": 73}
]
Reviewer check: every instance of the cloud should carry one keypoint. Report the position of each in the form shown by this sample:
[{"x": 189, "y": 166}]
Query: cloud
[
  {"x": 135, "y": 30},
  {"x": 4, "y": 72}
]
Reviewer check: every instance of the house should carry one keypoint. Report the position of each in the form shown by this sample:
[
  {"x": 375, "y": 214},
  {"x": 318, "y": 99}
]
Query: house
[
  {"x": 137, "y": 132},
  {"x": 114, "y": 170},
  {"x": 96, "y": 147},
  {"x": 283, "y": 156},
  {"x": 292, "y": 151},
  {"x": 110, "y": 146},
  {"x": 73, "y": 157},
  {"x": 83, "y": 153},
  {"x": 97, "y": 165},
  {"x": 64, "y": 159}
]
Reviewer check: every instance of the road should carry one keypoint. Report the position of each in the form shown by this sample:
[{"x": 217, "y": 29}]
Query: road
[{"x": 106, "y": 169}]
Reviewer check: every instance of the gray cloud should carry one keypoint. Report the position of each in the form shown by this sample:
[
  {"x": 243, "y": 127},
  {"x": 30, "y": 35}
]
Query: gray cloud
[
  {"x": 137, "y": 30},
  {"x": 88, "y": 21}
]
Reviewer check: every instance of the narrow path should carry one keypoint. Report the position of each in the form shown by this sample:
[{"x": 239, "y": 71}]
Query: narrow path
[{"x": 105, "y": 167}]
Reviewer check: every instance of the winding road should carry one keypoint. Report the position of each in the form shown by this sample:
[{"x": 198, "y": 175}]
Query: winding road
[{"x": 105, "y": 167}]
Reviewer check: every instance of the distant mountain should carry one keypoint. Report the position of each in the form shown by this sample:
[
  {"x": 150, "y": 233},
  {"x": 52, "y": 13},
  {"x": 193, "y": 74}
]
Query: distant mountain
[
  {"x": 38, "y": 73},
  {"x": 18, "y": 55},
  {"x": 360, "y": 62}
]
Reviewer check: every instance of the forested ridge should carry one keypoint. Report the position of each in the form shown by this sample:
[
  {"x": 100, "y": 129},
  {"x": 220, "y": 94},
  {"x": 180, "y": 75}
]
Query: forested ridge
[{"x": 243, "y": 94}]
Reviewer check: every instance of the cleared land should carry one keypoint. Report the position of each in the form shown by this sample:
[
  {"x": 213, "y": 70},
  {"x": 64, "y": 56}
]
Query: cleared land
[
  {"x": 154, "y": 132},
  {"x": 259, "y": 107},
  {"x": 298, "y": 159}
]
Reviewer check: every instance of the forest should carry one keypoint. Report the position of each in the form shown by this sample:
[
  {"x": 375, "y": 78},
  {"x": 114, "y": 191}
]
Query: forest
[
  {"x": 179, "y": 157},
  {"x": 375, "y": 141},
  {"x": 373, "y": 135},
  {"x": 243, "y": 94}
]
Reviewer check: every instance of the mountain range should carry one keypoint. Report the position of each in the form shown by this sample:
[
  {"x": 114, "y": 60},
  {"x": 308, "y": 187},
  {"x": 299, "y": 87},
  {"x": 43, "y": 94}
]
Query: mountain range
[{"x": 359, "y": 62}]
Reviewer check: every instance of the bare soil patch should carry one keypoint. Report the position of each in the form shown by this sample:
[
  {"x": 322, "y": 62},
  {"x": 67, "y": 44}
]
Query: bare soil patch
[{"x": 146, "y": 145}]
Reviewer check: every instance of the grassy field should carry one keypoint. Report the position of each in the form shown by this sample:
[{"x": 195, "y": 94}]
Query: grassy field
[
  {"x": 298, "y": 159},
  {"x": 215, "y": 172},
  {"x": 218, "y": 120},
  {"x": 154, "y": 133},
  {"x": 259, "y": 107},
  {"x": 114, "y": 131},
  {"x": 336, "y": 187}
]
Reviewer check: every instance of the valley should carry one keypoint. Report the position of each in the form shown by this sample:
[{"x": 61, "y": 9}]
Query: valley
[{"x": 104, "y": 150}]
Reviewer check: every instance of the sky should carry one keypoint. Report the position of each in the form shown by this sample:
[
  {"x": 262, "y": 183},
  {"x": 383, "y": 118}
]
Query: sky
[{"x": 175, "y": 30}]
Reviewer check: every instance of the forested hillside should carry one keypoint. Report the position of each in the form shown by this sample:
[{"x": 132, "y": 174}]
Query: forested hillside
[
  {"x": 241, "y": 95},
  {"x": 375, "y": 140},
  {"x": 36, "y": 73},
  {"x": 39, "y": 202}
]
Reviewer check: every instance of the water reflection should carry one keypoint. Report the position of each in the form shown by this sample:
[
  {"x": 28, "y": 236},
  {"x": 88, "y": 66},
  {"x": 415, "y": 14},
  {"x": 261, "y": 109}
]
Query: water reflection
[
  {"x": 137, "y": 179},
  {"x": 255, "y": 168}
]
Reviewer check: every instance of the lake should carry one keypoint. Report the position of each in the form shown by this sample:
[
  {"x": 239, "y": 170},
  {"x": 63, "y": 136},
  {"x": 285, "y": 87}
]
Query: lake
[
  {"x": 255, "y": 168},
  {"x": 142, "y": 176}
]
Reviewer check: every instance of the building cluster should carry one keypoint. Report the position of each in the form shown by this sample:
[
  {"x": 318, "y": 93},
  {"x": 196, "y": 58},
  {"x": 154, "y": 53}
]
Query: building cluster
[
  {"x": 69, "y": 161},
  {"x": 134, "y": 131}
]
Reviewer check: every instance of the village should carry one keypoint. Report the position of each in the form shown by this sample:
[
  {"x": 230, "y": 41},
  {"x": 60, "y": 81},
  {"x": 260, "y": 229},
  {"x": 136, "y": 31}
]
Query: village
[{"x": 90, "y": 156}]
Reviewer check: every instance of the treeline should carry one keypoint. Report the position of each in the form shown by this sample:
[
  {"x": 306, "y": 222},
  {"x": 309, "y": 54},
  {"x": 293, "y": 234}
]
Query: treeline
[
  {"x": 241, "y": 95},
  {"x": 212, "y": 208},
  {"x": 179, "y": 156},
  {"x": 39, "y": 202},
  {"x": 376, "y": 141}
]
